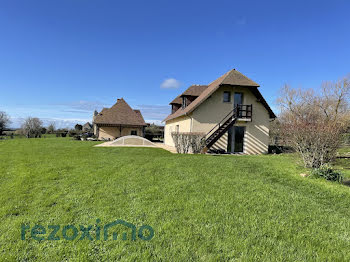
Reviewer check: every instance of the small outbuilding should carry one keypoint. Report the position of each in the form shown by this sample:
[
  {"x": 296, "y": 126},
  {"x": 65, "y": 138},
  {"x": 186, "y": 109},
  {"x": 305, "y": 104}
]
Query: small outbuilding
[
  {"x": 87, "y": 127},
  {"x": 117, "y": 121}
]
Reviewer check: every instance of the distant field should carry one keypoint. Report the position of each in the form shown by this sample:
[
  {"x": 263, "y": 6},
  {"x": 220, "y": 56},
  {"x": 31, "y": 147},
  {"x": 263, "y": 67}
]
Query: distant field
[{"x": 207, "y": 208}]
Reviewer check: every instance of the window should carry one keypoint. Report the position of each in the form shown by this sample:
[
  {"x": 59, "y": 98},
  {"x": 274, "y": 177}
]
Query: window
[
  {"x": 184, "y": 102},
  {"x": 133, "y": 132},
  {"x": 177, "y": 128},
  {"x": 227, "y": 96},
  {"x": 174, "y": 108}
]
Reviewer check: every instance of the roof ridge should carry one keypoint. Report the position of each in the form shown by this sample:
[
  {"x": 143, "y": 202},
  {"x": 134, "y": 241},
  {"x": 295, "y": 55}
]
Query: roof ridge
[
  {"x": 120, "y": 113},
  {"x": 220, "y": 77},
  {"x": 237, "y": 73},
  {"x": 227, "y": 74}
]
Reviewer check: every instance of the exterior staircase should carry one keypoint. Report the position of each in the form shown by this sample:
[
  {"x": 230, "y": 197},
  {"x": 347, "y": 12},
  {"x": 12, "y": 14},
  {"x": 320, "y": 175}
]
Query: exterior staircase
[{"x": 240, "y": 111}]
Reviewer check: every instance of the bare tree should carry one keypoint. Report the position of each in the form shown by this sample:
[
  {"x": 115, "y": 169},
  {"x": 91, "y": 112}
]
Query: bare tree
[
  {"x": 51, "y": 128},
  {"x": 313, "y": 123},
  {"x": 32, "y": 127},
  {"x": 4, "y": 121}
]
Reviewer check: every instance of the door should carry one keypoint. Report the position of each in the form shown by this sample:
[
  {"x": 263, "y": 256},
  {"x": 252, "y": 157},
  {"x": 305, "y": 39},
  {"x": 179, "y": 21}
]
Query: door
[
  {"x": 238, "y": 100},
  {"x": 235, "y": 143}
]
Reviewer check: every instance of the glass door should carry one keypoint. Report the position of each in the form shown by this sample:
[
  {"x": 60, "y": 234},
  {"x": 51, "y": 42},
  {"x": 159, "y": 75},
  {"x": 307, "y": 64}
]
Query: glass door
[
  {"x": 235, "y": 143},
  {"x": 237, "y": 101},
  {"x": 239, "y": 139}
]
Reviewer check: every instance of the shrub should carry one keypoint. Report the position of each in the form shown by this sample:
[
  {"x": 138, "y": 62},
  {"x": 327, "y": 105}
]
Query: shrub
[
  {"x": 76, "y": 137},
  {"x": 197, "y": 142},
  {"x": 84, "y": 136},
  {"x": 346, "y": 139},
  {"x": 327, "y": 172},
  {"x": 72, "y": 133},
  {"x": 61, "y": 134},
  {"x": 186, "y": 141},
  {"x": 313, "y": 123},
  {"x": 274, "y": 149}
]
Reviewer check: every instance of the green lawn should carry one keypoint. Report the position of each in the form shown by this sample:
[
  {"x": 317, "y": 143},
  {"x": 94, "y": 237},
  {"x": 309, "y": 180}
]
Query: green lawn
[{"x": 207, "y": 208}]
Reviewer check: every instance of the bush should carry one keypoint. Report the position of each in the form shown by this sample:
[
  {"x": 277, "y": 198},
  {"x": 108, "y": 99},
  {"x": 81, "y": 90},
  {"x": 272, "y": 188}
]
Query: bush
[
  {"x": 61, "y": 134},
  {"x": 197, "y": 142},
  {"x": 327, "y": 172},
  {"x": 346, "y": 139},
  {"x": 76, "y": 137},
  {"x": 186, "y": 141},
  {"x": 84, "y": 136},
  {"x": 274, "y": 149},
  {"x": 73, "y": 132}
]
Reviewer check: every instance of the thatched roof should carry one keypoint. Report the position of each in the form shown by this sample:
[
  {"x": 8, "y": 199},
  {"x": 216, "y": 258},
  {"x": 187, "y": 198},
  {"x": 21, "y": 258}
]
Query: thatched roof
[
  {"x": 177, "y": 100},
  {"x": 87, "y": 125},
  {"x": 193, "y": 90},
  {"x": 120, "y": 114},
  {"x": 233, "y": 78}
]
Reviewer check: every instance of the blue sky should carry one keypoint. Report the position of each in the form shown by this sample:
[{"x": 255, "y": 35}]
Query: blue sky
[{"x": 59, "y": 60}]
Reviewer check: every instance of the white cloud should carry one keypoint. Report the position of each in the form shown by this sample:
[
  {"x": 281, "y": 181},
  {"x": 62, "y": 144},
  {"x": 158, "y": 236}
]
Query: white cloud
[
  {"x": 170, "y": 83},
  {"x": 84, "y": 105}
]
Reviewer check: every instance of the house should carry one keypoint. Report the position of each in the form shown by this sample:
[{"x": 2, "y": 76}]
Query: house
[
  {"x": 119, "y": 120},
  {"x": 87, "y": 127},
  {"x": 230, "y": 112}
]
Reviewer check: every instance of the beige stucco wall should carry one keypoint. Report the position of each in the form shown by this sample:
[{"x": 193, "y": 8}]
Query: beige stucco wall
[
  {"x": 213, "y": 110},
  {"x": 114, "y": 132},
  {"x": 184, "y": 123}
]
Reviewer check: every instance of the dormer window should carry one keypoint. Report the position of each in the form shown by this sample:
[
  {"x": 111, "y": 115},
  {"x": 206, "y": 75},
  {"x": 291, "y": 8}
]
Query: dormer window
[
  {"x": 184, "y": 102},
  {"x": 175, "y": 107}
]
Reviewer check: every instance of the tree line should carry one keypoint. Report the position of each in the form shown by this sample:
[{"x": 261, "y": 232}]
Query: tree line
[{"x": 32, "y": 127}]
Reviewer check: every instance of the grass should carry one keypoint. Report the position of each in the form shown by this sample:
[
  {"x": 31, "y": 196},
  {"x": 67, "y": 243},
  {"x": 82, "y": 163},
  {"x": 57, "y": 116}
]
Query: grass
[{"x": 206, "y": 208}]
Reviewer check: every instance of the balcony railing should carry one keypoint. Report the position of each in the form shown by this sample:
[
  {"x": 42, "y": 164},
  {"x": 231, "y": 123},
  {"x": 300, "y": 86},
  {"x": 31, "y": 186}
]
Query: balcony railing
[{"x": 244, "y": 111}]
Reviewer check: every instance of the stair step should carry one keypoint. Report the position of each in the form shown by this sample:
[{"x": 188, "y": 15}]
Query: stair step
[{"x": 215, "y": 135}]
